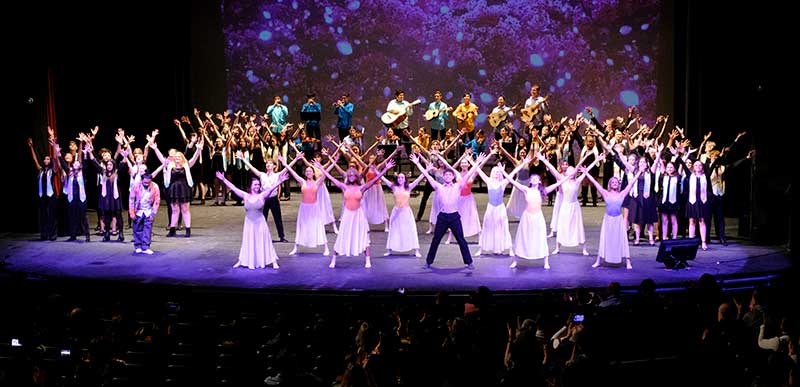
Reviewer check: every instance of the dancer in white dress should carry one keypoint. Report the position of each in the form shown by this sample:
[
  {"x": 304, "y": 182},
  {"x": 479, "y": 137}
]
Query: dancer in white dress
[
  {"x": 374, "y": 202},
  {"x": 570, "y": 219},
  {"x": 353, "y": 235},
  {"x": 257, "y": 250},
  {"x": 613, "y": 246},
  {"x": 402, "y": 226},
  {"x": 531, "y": 239},
  {"x": 496, "y": 236},
  {"x": 516, "y": 203},
  {"x": 310, "y": 231}
]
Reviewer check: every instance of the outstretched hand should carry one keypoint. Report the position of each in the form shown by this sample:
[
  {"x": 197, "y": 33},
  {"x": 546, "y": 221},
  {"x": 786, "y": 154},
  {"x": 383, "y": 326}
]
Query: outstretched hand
[
  {"x": 389, "y": 164},
  {"x": 220, "y": 175}
]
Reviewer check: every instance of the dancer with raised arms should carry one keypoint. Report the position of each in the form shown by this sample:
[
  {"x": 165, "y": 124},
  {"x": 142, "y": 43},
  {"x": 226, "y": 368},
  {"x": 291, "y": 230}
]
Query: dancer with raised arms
[
  {"x": 257, "y": 250},
  {"x": 613, "y": 246},
  {"x": 353, "y": 238},
  {"x": 531, "y": 239},
  {"x": 448, "y": 194}
]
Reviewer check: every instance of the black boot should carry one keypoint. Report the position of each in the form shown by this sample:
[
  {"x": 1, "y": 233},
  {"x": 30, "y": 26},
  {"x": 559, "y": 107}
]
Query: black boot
[
  {"x": 107, "y": 236},
  {"x": 188, "y": 232},
  {"x": 121, "y": 237},
  {"x": 171, "y": 232},
  {"x": 87, "y": 238}
]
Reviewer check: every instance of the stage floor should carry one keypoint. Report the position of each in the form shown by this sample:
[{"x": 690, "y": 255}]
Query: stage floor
[{"x": 207, "y": 259}]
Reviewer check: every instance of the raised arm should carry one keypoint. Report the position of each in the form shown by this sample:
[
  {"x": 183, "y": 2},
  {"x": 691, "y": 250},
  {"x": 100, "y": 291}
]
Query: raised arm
[
  {"x": 291, "y": 171},
  {"x": 590, "y": 166},
  {"x": 196, "y": 154},
  {"x": 446, "y": 164},
  {"x": 479, "y": 161},
  {"x": 236, "y": 190},
  {"x": 421, "y": 148},
  {"x": 389, "y": 165},
  {"x": 628, "y": 189},
  {"x": 514, "y": 182},
  {"x": 415, "y": 182},
  {"x": 549, "y": 166},
  {"x": 391, "y": 157},
  {"x": 246, "y": 162},
  {"x": 160, "y": 156},
  {"x": 327, "y": 174},
  {"x": 594, "y": 182},
  {"x": 415, "y": 159},
  {"x": 33, "y": 154}
]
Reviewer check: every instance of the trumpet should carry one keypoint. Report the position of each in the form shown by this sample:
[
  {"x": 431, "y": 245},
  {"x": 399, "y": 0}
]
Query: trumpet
[{"x": 337, "y": 103}]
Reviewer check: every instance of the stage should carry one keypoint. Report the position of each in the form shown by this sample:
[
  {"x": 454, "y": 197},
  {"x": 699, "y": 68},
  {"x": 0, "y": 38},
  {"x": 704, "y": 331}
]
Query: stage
[{"x": 207, "y": 258}]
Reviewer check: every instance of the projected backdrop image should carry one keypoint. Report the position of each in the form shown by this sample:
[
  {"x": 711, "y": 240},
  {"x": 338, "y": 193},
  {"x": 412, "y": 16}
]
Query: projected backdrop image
[{"x": 599, "y": 53}]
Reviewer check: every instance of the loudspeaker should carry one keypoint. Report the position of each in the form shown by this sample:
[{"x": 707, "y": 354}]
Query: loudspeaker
[{"x": 675, "y": 252}]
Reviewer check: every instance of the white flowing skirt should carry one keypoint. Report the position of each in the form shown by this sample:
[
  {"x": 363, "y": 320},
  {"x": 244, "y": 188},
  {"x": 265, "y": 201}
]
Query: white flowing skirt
[
  {"x": 517, "y": 203},
  {"x": 613, "y": 240},
  {"x": 570, "y": 224},
  {"x": 531, "y": 239},
  {"x": 470, "y": 220},
  {"x": 353, "y": 236},
  {"x": 435, "y": 208},
  {"x": 257, "y": 250},
  {"x": 310, "y": 230},
  {"x": 402, "y": 230},
  {"x": 495, "y": 236},
  {"x": 375, "y": 205},
  {"x": 556, "y": 209},
  {"x": 325, "y": 204}
]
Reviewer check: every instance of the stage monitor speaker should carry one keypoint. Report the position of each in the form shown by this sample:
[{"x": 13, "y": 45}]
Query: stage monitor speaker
[{"x": 675, "y": 252}]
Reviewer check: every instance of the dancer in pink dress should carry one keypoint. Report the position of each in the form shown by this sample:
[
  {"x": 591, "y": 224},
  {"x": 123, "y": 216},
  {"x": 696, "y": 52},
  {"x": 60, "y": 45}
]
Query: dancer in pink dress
[
  {"x": 310, "y": 231},
  {"x": 257, "y": 250},
  {"x": 353, "y": 238}
]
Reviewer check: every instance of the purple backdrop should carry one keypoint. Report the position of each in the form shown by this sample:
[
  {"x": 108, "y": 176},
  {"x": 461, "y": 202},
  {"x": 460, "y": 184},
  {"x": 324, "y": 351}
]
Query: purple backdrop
[{"x": 583, "y": 53}]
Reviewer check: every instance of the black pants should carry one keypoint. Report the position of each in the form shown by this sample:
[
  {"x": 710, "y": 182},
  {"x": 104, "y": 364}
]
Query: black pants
[
  {"x": 272, "y": 204},
  {"x": 718, "y": 213},
  {"x": 437, "y": 134},
  {"x": 48, "y": 224},
  {"x": 76, "y": 218},
  {"x": 451, "y": 221},
  {"x": 343, "y": 132},
  {"x": 427, "y": 189},
  {"x": 585, "y": 194}
]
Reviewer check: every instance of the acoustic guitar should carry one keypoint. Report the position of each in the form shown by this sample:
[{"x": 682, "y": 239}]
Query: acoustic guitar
[
  {"x": 527, "y": 114},
  {"x": 391, "y": 119},
  {"x": 499, "y": 116},
  {"x": 431, "y": 114}
]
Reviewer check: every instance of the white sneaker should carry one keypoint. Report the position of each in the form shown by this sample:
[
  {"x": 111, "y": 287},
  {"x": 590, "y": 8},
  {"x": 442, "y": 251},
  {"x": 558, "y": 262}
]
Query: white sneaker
[
  {"x": 388, "y": 253},
  {"x": 477, "y": 253},
  {"x": 148, "y": 252},
  {"x": 138, "y": 250}
]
